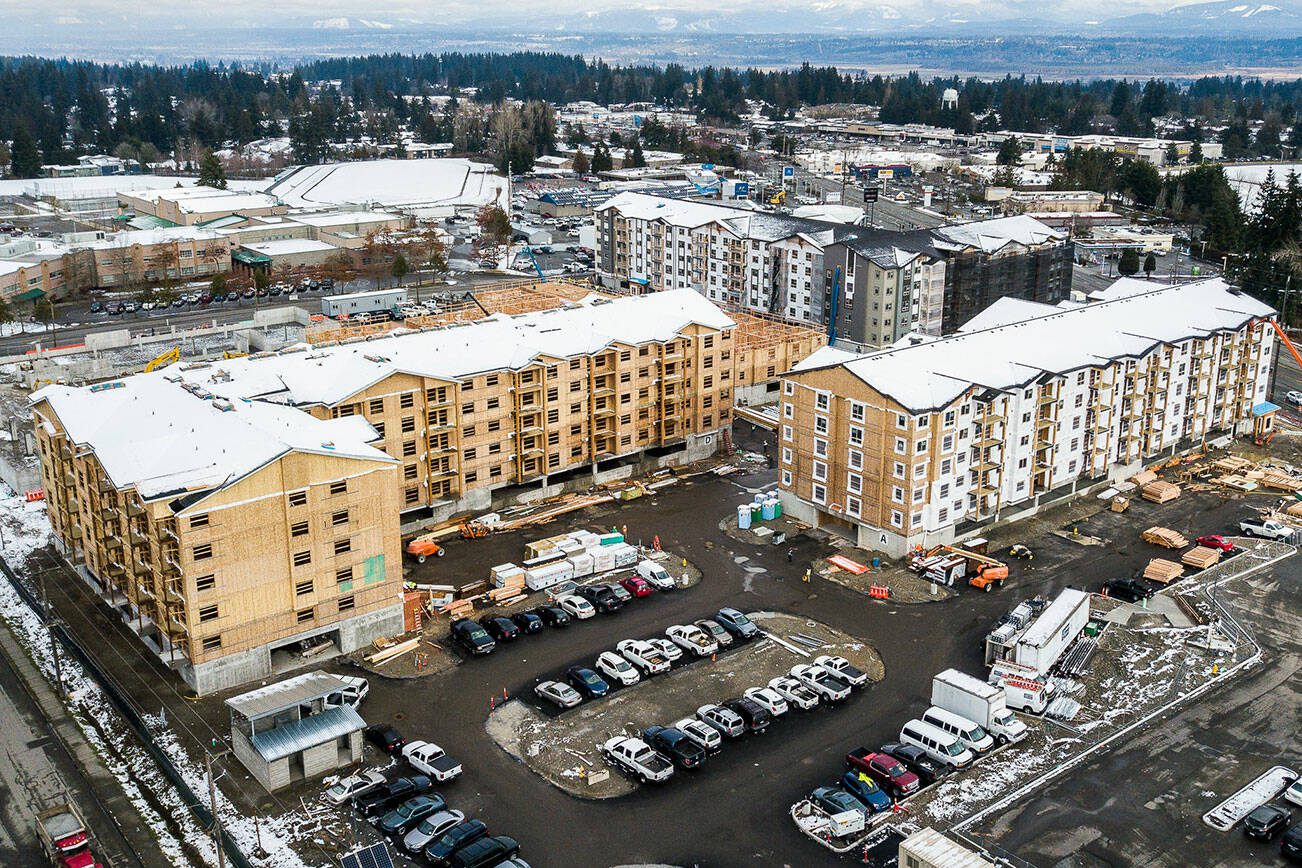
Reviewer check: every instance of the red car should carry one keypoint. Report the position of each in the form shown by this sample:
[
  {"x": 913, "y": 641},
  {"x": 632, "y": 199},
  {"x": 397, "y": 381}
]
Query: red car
[
  {"x": 1215, "y": 541},
  {"x": 885, "y": 769},
  {"x": 637, "y": 586}
]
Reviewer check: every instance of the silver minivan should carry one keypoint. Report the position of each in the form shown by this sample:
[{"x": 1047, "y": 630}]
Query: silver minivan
[
  {"x": 944, "y": 748},
  {"x": 972, "y": 734}
]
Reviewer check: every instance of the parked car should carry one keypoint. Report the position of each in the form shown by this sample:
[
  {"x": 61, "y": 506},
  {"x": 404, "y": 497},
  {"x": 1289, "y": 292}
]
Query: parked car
[
  {"x": 1294, "y": 792},
  {"x": 885, "y": 769},
  {"x": 486, "y": 853},
  {"x": 701, "y": 733},
  {"x": 1290, "y": 846},
  {"x": 1265, "y": 822},
  {"x": 829, "y": 687},
  {"x": 576, "y": 607},
  {"x": 472, "y": 637},
  {"x": 353, "y": 785},
  {"x": 768, "y": 699},
  {"x": 560, "y": 694},
  {"x": 1294, "y": 397},
  {"x": 587, "y": 682},
  {"x": 405, "y": 817},
  {"x": 565, "y": 588},
  {"x": 1126, "y": 588},
  {"x": 441, "y": 850},
  {"x": 676, "y": 745},
  {"x": 862, "y": 786},
  {"x": 666, "y": 647},
  {"x": 385, "y": 737},
  {"x": 736, "y": 623},
  {"x": 602, "y": 598},
  {"x": 691, "y": 638},
  {"x": 552, "y": 616},
  {"x": 500, "y": 628},
  {"x": 835, "y": 800},
  {"x": 528, "y": 623},
  {"x": 715, "y": 632},
  {"x": 1267, "y": 528},
  {"x": 638, "y": 758},
  {"x": 655, "y": 575},
  {"x": 1215, "y": 541},
  {"x": 725, "y": 720},
  {"x": 637, "y": 586},
  {"x": 794, "y": 692},
  {"x": 617, "y": 669},
  {"x": 619, "y": 592},
  {"x": 232, "y": 296},
  {"x": 644, "y": 656},
  {"x": 96, "y": 307},
  {"x": 756, "y": 716},
  {"x": 428, "y": 758},
  {"x": 842, "y": 669},
  {"x": 380, "y": 799},
  {"x": 916, "y": 760},
  {"x": 431, "y": 829}
]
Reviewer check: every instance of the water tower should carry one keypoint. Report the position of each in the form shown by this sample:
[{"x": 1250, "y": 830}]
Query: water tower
[{"x": 949, "y": 99}]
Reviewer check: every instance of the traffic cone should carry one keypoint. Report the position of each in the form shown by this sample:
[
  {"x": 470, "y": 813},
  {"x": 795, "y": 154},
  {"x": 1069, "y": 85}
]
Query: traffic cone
[
  {"x": 504, "y": 697},
  {"x": 492, "y": 702}
]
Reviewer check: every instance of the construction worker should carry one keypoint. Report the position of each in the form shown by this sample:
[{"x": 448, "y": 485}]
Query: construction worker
[
  {"x": 805, "y": 579},
  {"x": 791, "y": 555}
]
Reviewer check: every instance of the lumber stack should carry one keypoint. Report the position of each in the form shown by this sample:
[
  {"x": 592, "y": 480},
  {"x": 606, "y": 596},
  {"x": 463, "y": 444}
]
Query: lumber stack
[
  {"x": 1165, "y": 537},
  {"x": 1231, "y": 464},
  {"x": 1120, "y": 504},
  {"x": 1163, "y": 571},
  {"x": 1143, "y": 477},
  {"x": 1201, "y": 557},
  {"x": 1160, "y": 492},
  {"x": 392, "y": 652},
  {"x": 1280, "y": 481},
  {"x": 459, "y": 609}
]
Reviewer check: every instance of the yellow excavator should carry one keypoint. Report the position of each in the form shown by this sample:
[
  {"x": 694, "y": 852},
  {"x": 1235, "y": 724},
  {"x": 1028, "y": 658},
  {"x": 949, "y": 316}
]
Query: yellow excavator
[
  {"x": 778, "y": 198},
  {"x": 163, "y": 359}
]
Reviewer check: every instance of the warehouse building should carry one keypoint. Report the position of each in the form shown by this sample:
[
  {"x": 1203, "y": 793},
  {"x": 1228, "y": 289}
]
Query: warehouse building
[
  {"x": 231, "y": 509},
  {"x": 1028, "y": 403}
]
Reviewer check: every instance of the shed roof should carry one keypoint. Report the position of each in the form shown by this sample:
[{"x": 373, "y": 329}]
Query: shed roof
[
  {"x": 272, "y": 698},
  {"x": 283, "y": 741}
]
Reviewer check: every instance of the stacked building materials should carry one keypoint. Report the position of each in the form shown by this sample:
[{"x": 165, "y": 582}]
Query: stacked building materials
[
  {"x": 1160, "y": 492},
  {"x": 1165, "y": 537},
  {"x": 1163, "y": 571},
  {"x": 573, "y": 556},
  {"x": 1201, "y": 557}
]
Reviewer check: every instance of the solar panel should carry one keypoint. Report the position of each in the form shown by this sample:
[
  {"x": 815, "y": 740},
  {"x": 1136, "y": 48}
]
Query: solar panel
[{"x": 371, "y": 856}]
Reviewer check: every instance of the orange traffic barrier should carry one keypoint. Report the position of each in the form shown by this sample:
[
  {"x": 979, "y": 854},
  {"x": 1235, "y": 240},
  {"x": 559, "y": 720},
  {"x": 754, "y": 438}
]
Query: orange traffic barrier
[{"x": 879, "y": 592}]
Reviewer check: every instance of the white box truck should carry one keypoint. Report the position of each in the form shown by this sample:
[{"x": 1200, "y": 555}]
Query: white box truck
[{"x": 982, "y": 703}]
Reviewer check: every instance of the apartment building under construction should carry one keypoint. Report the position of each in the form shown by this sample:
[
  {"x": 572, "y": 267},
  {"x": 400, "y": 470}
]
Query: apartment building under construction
[
  {"x": 230, "y": 508},
  {"x": 1026, "y": 404}
]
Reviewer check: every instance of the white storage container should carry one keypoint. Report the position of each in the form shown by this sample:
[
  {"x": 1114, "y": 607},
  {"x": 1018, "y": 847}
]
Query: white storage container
[
  {"x": 587, "y": 537},
  {"x": 570, "y": 546},
  {"x": 502, "y": 573},
  {"x": 546, "y": 576}
]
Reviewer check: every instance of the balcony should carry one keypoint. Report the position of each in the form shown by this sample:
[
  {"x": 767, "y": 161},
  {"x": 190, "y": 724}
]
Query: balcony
[{"x": 173, "y": 595}]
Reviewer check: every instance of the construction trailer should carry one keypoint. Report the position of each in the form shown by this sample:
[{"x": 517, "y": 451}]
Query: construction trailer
[
  {"x": 355, "y": 303},
  {"x": 1038, "y": 641}
]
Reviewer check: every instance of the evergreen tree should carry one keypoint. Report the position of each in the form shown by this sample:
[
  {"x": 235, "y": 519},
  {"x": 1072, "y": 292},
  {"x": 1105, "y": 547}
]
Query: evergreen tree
[
  {"x": 1150, "y": 265},
  {"x": 43, "y": 310},
  {"x": 1010, "y": 152},
  {"x": 634, "y": 159},
  {"x": 211, "y": 172},
  {"x": 601, "y": 160},
  {"x": 1129, "y": 264},
  {"x": 24, "y": 157},
  {"x": 399, "y": 269},
  {"x": 1195, "y": 154},
  {"x": 581, "y": 163}
]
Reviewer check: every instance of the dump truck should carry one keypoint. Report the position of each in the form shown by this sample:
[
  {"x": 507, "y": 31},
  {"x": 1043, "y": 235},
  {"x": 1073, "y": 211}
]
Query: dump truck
[{"x": 64, "y": 838}]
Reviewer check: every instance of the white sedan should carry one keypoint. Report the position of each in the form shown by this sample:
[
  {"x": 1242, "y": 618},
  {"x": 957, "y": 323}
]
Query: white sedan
[
  {"x": 691, "y": 638},
  {"x": 1294, "y": 398},
  {"x": 576, "y": 607},
  {"x": 617, "y": 669},
  {"x": 671, "y": 651},
  {"x": 768, "y": 699},
  {"x": 353, "y": 785},
  {"x": 794, "y": 692},
  {"x": 561, "y": 694}
]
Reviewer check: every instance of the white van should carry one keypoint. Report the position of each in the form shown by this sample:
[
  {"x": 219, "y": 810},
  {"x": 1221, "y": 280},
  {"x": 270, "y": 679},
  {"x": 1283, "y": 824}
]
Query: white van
[
  {"x": 973, "y": 736},
  {"x": 944, "y": 748},
  {"x": 656, "y": 576}
]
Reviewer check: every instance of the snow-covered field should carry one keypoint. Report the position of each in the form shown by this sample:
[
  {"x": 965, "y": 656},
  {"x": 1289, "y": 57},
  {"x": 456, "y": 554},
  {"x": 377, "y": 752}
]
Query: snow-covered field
[
  {"x": 1246, "y": 180},
  {"x": 180, "y": 838}
]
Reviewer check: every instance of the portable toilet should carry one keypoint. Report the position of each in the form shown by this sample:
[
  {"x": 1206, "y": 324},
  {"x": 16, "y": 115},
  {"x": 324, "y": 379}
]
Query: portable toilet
[
  {"x": 766, "y": 510},
  {"x": 743, "y": 516}
]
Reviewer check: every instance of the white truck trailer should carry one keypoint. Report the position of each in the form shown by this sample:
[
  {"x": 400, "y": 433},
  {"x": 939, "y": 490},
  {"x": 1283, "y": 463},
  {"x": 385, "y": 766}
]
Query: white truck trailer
[
  {"x": 977, "y": 701},
  {"x": 1049, "y": 635}
]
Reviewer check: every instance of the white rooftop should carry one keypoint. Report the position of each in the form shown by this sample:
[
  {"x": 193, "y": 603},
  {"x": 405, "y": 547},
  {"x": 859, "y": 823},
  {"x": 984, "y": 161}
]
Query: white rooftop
[
  {"x": 146, "y": 237},
  {"x": 1013, "y": 342},
  {"x": 163, "y": 433},
  {"x": 1053, "y": 617},
  {"x": 288, "y": 246},
  {"x": 991, "y": 236},
  {"x": 343, "y": 218},
  {"x": 936, "y": 849},
  {"x": 391, "y": 183}
]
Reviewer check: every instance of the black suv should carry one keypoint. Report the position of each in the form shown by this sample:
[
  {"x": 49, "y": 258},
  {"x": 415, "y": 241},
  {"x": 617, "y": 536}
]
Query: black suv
[
  {"x": 1130, "y": 590},
  {"x": 501, "y": 629},
  {"x": 915, "y": 759},
  {"x": 757, "y": 717},
  {"x": 601, "y": 598},
  {"x": 552, "y": 616},
  {"x": 472, "y": 637},
  {"x": 460, "y": 835},
  {"x": 385, "y": 737},
  {"x": 485, "y": 853},
  {"x": 528, "y": 622},
  {"x": 675, "y": 744}
]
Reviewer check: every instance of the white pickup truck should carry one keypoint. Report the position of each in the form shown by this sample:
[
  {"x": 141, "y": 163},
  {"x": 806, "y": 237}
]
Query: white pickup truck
[
  {"x": 637, "y": 758},
  {"x": 1267, "y": 528},
  {"x": 430, "y": 759}
]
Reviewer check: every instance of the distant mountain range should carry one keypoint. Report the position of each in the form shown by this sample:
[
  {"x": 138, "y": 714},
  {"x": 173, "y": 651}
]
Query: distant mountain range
[{"x": 1228, "y": 17}]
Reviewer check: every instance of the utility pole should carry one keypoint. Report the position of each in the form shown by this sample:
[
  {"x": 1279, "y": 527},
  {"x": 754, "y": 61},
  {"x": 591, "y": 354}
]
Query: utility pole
[
  {"x": 54, "y": 643},
  {"x": 212, "y": 806}
]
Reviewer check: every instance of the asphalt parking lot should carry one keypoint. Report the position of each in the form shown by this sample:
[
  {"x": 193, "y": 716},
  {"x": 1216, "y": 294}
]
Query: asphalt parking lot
[{"x": 736, "y": 811}]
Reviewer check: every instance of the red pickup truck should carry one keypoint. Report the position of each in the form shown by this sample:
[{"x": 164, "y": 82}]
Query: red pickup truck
[{"x": 885, "y": 770}]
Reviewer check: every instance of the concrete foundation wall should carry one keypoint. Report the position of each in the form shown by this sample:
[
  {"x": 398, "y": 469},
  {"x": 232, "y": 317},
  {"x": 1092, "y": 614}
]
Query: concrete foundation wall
[{"x": 320, "y": 759}]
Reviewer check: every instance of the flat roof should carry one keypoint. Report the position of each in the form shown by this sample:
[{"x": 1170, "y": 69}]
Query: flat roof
[
  {"x": 288, "y": 246},
  {"x": 936, "y": 849},
  {"x": 272, "y": 698},
  {"x": 1053, "y": 617},
  {"x": 1014, "y": 342}
]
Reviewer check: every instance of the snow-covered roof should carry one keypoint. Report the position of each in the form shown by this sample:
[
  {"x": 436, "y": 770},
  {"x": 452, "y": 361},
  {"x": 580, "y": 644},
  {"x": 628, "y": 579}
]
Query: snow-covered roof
[
  {"x": 391, "y": 183},
  {"x": 288, "y": 246},
  {"x": 344, "y": 218},
  {"x": 991, "y": 236},
  {"x": 1014, "y": 341},
  {"x": 167, "y": 432},
  {"x": 741, "y": 222},
  {"x": 275, "y": 697},
  {"x": 146, "y": 237}
]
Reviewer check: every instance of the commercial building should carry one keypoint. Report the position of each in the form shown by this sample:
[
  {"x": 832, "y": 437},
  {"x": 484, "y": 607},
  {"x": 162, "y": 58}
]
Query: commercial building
[
  {"x": 1052, "y": 201},
  {"x": 1008, "y": 257},
  {"x": 295, "y": 730},
  {"x": 146, "y": 255},
  {"x": 924, "y": 442},
  {"x": 1150, "y": 150},
  {"x": 229, "y": 509},
  {"x": 187, "y": 206},
  {"x": 567, "y": 203},
  {"x": 30, "y": 268}
]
